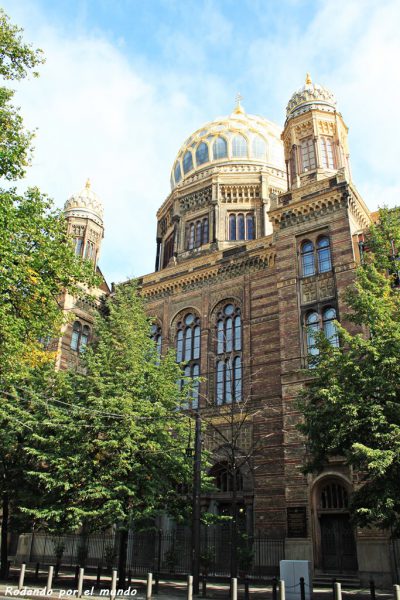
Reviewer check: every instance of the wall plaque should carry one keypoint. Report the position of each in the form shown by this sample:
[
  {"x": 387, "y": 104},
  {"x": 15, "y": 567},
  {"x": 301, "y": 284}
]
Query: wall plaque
[{"x": 297, "y": 521}]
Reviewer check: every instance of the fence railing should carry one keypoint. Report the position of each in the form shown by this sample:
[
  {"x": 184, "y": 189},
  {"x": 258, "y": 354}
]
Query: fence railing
[{"x": 154, "y": 551}]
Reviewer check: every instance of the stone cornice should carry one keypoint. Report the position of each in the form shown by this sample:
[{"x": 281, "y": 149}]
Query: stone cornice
[{"x": 207, "y": 270}]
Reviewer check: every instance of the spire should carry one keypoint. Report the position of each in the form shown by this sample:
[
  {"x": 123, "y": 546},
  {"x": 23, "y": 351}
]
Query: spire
[
  {"x": 239, "y": 110},
  {"x": 87, "y": 184},
  {"x": 308, "y": 79}
]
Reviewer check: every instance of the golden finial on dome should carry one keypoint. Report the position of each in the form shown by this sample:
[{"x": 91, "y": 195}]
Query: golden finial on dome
[
  {"x": 87, "y": 184},
  {"x": 238, "y": 108},
  {"x": 308, "y": 79}
]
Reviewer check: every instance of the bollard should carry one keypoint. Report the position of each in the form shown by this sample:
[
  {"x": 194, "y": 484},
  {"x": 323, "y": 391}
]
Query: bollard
[
  {"x": 76, "y": 577},
  {"x": 281, "y": 589},
  {"x": 37, "y": 571},
  {"x": 204, "y": 586},
  {"x": 156, "y": 582},
  {"x": 80, "y": 582},
  {"x": 234, "y": 588},
  {"x": 113, "y": 591},
  {"x": 21, "y": 576},
  {"x": 49, "y": 579},
  {"x": 190, "y": 587},
  {"x": 246, "y": 589},
  {"x": 302, "y": 589},
  {"x": 396, "y": 592},
  {"x": 149, "y": 586},
  {"x": 338, "y": 591},
  {"x": 372, "y": 589},
  {"x": 274, "y": 589}
]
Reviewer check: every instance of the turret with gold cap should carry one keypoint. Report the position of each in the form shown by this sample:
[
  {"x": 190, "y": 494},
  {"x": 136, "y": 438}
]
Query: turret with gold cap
[{"x": 84, "y": 213}]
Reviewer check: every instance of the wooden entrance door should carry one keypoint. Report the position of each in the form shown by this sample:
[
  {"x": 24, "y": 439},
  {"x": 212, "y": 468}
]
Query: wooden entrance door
[{"x": 337, "y": 543}]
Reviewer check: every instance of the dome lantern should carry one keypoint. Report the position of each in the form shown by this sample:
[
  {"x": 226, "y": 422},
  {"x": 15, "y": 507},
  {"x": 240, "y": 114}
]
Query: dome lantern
[
  {"x": 86, "y": 204},
  {"x": 310, "y": 96}
]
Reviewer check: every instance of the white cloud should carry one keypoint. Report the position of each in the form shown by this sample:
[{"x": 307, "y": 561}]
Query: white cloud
[{"x": 105, "y": 114}]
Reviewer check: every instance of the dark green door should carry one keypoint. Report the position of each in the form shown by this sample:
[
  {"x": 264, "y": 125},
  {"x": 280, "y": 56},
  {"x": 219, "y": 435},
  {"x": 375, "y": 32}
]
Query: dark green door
[{"x": 338, "y": 544}]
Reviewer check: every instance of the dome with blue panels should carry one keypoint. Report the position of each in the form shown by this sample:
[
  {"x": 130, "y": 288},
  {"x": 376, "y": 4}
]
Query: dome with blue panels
[{"x": 235, "y": 139}]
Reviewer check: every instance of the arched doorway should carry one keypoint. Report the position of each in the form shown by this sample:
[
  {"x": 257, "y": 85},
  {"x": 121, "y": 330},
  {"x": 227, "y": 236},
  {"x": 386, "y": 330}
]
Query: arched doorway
[{"x": 338, "y": 553}]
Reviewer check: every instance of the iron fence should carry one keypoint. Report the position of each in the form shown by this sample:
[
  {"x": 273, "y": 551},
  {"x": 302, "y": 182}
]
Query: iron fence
[{"x": 167, "y": 553}]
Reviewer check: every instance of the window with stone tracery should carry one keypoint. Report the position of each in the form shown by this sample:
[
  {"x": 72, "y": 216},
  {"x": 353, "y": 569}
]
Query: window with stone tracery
[
  {"x": 241, "y": 226},
  {"x": 80, "y": 336},
  {"x": 327, "y": 152},
  {"x": 188, "y": 338},
  {"x": 316, "y": 258},
  {"x": 307, "y": 154},
  {"x": 229, "y": 355},
  {"x": 197, "y": 233},
  {"x": 220, "y": 148},
  {"x": 316, "y": 321}
]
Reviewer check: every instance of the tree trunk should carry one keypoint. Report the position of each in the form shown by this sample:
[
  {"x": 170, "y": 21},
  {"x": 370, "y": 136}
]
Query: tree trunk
[
  {"x": 234, "y": 565},
  {"x": 4, "y": 538},
  {"x": 123, "y": 552}
]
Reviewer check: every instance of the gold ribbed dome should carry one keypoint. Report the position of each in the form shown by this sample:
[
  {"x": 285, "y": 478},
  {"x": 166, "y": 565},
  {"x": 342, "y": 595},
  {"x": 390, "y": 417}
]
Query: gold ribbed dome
[
  {"x": 311, "y": 95},
  {"x": 236, "y": 138},
  {"x": 85, "y": 204}
]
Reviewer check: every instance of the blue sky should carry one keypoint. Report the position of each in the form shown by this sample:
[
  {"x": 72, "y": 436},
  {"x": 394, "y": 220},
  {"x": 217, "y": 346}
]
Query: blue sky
[{"x": 127, "y": 81}]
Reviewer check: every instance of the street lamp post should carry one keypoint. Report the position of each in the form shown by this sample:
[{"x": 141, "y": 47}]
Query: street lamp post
[{"x": 196, "y": 506}]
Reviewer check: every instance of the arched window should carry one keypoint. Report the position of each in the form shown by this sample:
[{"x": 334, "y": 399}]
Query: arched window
[
  {"x": 232, "y": 227},
  {"x": 89, "y": 250},
  {"x": 205, "y": 231},
  {"x": 187, "y": 162},
  {"x": 334, "y": 496},
  {"x": 312, "y": 328},
  {"x": 76, "y": 334},
  {"x": 249, "y": 226},
  {"x": 80, "y": 336},
  {"x": 239, "y": 146},
  {"x": 308, "y": 154},
  {"x": 324, "y": 255},
  {"x": 198, "y": 234},
  {"x": 327, "y": 155},
  {"x": 202, "y": 153},
  {"x": 157, "y": 337},
  {"x": 259, "y": 147},
  {"x": 307, "y": 259},
  {"x": 224, "y": 478},
  {"x": 191, "y": 236},
  {"x": 330, "y": 331},
  {"x": 241, "y": 226},
  {"x": 229, "y": 360},
  {"x": 220, "y": 148},
  {"x": 78, "y": 246},
  {"x": 177, "y": 172},
  {"x": 188, "y": 340}
]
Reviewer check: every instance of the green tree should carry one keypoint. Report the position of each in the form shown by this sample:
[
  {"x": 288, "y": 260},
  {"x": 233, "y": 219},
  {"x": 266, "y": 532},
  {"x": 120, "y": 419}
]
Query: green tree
[
  {"x": 111, "y": 445},
  {"x": 351, "y": 405},
  {"x": 37, "y": 265}
]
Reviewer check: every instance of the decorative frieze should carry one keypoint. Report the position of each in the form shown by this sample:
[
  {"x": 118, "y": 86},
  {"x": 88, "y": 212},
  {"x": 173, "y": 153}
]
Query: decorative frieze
[
  {"x": 237, "y": 193},
  {"x": 316, "y": 288},
  {"x": 195, "y": 200}
]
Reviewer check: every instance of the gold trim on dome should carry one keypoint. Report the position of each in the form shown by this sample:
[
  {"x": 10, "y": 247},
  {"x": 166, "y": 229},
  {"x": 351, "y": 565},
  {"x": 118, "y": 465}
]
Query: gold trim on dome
[
  {"x": 239, "y": 110},
  {"x": 308, "y": 79},
  {"x": 87, "y": 184}
]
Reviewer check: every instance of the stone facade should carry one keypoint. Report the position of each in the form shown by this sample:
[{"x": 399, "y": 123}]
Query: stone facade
[{"x": 204, "y": 264}]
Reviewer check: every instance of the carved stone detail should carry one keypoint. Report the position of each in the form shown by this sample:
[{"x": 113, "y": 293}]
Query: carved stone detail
[
  {"x": 195, "y": 200},
  {"x": 239, "y": 193},
  {"x": 316, "y": 288}
]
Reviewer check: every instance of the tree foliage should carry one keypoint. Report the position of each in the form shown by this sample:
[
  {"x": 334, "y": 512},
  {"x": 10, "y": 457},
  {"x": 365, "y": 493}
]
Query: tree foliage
[
  {"x": 351, "y": 406},
  {"x": 111, "y": 443}
]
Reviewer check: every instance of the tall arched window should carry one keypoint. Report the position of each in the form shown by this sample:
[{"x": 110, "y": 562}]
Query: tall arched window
[
  {"x": 307, "y": 154},
  {"x": 191, "y": 236},
  {"x": 259, "y": 147},
  {"x": 239, "y": 146},
  {"x": 330, "y": 331},
  {"x": 312, "y": 328},
  {"x": 241, "y": 226},
  {"x": 187, "y": 162},
  {"x": 232, "y": 227},
  {"x": 220, "y": 148},
  {"x": 188, "y": 340},
  {"x": 307, "y": 259},
  {"x": 202, "y": 153},
  {"x": 177, "y": 172},
  {"x": 205, "y": 230},
  {"x": 78, "y": 246},
  {"x": 76, "y": 334},
  {"x": 324, "y": 255},
  {"x": 80, "y": 336},
  {"x": 224, "y": 478},
  {"x": 327, "y": 154},
  {"x": 229, "y": 355},
  {"x": 249, "y": 226},
  {"x": 157, "y": 337}
]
